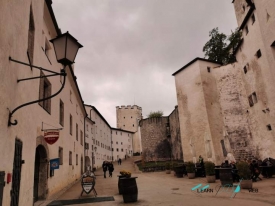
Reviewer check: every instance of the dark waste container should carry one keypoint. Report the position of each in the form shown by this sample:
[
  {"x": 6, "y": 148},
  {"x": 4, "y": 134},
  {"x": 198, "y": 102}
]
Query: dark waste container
[{"x": 217, "y": 172}]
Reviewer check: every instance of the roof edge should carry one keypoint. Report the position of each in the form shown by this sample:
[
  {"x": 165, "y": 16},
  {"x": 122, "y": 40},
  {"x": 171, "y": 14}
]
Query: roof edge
[{"x": 194, "y": 60}]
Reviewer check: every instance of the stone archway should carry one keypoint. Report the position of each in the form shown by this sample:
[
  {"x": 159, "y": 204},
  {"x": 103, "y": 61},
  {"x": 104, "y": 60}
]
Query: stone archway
[{"x": 40, "y": 185}]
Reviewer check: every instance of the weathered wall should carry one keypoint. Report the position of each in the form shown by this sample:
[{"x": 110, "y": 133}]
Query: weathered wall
[
  {"x": 234, "y": 104},
  {"x": 154, "y": 139},
  {"x": 194, "y": 105},
  {"x": 174, "y": 129},
  {"x": 14, "y": 21},
  {"x": 260, "y": 75}
]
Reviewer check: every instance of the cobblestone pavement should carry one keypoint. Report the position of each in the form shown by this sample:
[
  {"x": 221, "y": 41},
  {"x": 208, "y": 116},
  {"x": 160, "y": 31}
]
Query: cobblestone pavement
[{"x": 158, "y": 188}]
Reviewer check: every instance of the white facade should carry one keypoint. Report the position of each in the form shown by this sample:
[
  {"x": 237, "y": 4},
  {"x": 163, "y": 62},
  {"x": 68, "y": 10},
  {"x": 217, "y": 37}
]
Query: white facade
[
  {"x": 100, "y": 141},
  {"x": 28, "y": 26},
  {"x": 122, "y": 143}
]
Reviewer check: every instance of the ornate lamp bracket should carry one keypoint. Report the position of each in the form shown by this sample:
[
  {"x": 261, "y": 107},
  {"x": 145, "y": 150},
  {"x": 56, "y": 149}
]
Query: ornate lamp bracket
[{"x": 62, "y": 73}]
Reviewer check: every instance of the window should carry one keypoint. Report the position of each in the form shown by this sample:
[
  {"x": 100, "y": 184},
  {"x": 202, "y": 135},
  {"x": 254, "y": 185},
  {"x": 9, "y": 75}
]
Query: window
[
  {"x": 116, "y": 142},
  {"x": 117, "y": 149},
  {"x": 81, "y": 137},
  {"x": 71, "y": 124},
  {"x": 70, "y": 158},
  {"x": 76, "y": 159},
  {"x": 208, "y": 69},
  {"x": 47, "y": 49},
  {"x": 31, "y": 36},
  {"x": 258, "y": 53},
  {"x": 246, "y": 29},
  {"x": 245, "y": 69},
  {"x": 131, "y": 117},
  {"x": 124, "y": 117},
  {"x": 133, "y": 125},
  {"x": 252, "y": 99},
  {"x": 76, "y": 109},
  {"x": 112, "y": 149},
  {"x": 269, "y": 127},
  {"x": 253, "y": 18},
  {"x": 61, "y": 112},
  {"x": 71, "y": 96},
  {"x": 60, "y": 155},
  {"x": 121, "y": 143},
  {"x": 76, "y": 132},
  {"x": 45, "y": 90},
  {"x": 121, "y": 150}
]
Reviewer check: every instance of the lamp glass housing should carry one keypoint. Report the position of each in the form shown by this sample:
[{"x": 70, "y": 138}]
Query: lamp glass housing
[{"x": 66, "y": 48}]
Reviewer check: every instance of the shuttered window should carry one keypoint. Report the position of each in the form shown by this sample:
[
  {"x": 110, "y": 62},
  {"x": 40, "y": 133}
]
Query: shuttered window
[{"x": 45, "y": 90}]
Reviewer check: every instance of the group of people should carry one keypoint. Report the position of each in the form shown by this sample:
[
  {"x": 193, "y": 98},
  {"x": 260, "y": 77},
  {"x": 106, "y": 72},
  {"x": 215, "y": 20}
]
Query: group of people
[
  {"x": 253, "y": 166},
  {"x": 108, "y": 166}
]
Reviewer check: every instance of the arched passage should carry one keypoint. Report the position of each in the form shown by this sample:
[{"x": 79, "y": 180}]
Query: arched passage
[
  {"x": 87, "y": 162},
  {"x": 40, "y": 173}
]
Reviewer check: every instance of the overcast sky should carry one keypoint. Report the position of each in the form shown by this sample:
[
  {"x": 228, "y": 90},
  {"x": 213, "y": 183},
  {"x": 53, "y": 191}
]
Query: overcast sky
[{"x": 132, "y": 47}]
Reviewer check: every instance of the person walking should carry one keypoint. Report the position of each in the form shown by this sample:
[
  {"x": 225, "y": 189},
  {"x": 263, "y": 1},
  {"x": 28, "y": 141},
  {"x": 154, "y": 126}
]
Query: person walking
[
  {"x": 104, "y": 167},
  {"x": 111, "y": 169},
  {"x": 119, "y": 161}
]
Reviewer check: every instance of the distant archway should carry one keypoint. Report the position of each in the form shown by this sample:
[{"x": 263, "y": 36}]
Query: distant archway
[{"x": 87, "y": 162}]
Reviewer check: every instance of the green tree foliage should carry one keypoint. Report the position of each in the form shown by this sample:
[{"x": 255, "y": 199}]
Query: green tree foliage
[
  {"x": 155, "y": 114},
  {"x": 220, "y": 47}
]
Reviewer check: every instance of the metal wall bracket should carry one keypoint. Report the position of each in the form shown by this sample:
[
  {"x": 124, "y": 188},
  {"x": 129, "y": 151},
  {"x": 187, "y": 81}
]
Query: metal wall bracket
[{"x": 62, "y": 73}]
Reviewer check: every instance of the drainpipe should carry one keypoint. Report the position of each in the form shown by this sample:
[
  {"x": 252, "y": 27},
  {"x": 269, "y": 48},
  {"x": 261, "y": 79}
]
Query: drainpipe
[{"x": 84, "y": 159}]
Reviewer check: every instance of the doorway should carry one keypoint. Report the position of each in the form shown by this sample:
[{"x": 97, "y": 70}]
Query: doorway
[
  {"x": 40, "y": 174},
  {"x": 16, "y": 174}
]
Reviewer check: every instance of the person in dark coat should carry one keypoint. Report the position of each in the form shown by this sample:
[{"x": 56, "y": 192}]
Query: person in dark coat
[
  {"x": 111, "y": 169},
  {"x": 105, "y": 168}
]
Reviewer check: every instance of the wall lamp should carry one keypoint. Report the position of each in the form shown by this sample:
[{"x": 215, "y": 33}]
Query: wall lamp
[{"x": 66, "y": 48}]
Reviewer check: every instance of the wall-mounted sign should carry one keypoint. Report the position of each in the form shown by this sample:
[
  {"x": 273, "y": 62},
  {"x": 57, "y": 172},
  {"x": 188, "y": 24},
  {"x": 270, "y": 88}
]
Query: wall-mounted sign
[
  {"x": 51, "y": 136},
  {"x": 88, "y": 183},
  {"x": 54, "y": 164}
]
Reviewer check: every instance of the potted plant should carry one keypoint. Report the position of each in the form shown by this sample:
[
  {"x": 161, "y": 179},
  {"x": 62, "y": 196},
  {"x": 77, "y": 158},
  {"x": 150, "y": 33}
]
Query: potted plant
[
  {"x": 244, "y": 174},
  {"x": 190, "y": 168},
  {"x": 210, "y": 171},
  {"x": 168, "y": 168}
]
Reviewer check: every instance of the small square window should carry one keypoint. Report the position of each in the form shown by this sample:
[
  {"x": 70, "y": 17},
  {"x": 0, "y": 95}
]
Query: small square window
[
  {"x": 70, "y": 158},
  {"x": 121, "y": 150},
  {"x": 208, "y": 69},
  {"x": 245, "y": 69},
  {"x": 116, "y": 142},
  {"x": 121, "y": 143},
  {"x": 117, "y": 149},
  {"x": 269, "y": 127},
  {"x": 259, "y": 53},
  {"x": 60, "y": 155}
]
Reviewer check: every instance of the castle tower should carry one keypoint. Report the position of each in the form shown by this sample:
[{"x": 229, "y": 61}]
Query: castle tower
[{"x": 128, "y": 118}]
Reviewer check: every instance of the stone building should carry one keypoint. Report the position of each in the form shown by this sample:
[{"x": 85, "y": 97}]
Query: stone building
[
  {"x": 160, "y": 137},
  {"x": 128, "y": 118},
  {"x": 228, "y": 111},
  {"x": 26, "y": 28}
]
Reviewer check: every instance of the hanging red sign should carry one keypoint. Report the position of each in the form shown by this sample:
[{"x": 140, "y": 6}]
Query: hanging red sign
[{"x": 51, "y": 136}]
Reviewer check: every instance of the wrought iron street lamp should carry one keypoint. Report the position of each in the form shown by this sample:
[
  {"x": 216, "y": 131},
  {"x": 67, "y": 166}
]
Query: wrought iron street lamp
[{"x": 66, "y": 48}]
